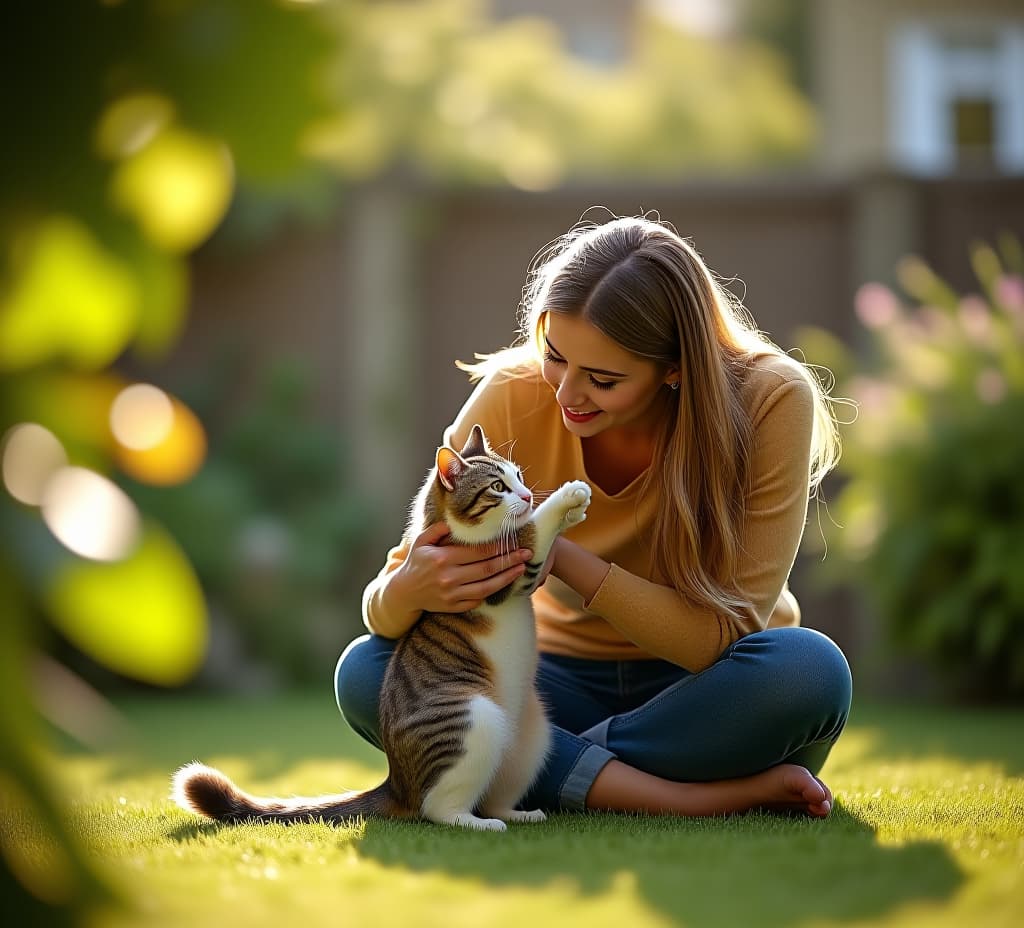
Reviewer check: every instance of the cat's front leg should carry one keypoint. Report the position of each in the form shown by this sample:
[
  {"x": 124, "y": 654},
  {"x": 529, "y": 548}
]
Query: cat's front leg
[{"x": 564, "y": 508}]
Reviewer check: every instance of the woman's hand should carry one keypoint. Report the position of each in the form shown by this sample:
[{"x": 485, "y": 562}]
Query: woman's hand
[{"x": 440, "y": 577}]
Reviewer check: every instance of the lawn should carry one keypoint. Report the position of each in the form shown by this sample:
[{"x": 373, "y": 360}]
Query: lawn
[{"x": 928, "y": 830}]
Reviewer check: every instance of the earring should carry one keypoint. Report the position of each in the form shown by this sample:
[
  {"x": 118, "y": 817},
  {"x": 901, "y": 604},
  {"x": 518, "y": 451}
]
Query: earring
[{"x": 674, "y": 385}]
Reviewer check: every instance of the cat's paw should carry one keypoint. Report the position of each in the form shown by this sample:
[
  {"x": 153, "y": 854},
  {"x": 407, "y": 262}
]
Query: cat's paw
[
  {"x": 469, "y": 820},
  {"x": 531, "y": 817},
  {"x": 516, "y": 816},
  {"x": 575, "y": 497}
]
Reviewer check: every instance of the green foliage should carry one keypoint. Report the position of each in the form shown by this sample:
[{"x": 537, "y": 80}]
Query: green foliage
[
  {"x": 438, "y": 88},
  {"x": 269, "y": 522},
  {"x": 788, "y": 26},
  {"x": 126, "y": 128},
  {"x": 933, "y": 505}
]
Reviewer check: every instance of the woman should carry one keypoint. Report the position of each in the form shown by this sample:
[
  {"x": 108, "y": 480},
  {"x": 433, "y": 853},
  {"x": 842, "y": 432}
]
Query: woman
[{"x": 671, "y": 662}]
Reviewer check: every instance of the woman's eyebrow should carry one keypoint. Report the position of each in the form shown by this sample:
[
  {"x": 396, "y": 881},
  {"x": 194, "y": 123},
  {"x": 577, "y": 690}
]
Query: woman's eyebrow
[{"x": 592, "y": 370}]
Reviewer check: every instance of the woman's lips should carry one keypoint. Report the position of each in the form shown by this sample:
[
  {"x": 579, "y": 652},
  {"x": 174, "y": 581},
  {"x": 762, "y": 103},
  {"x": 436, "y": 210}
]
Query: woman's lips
[{"x": 579, "y": 416}]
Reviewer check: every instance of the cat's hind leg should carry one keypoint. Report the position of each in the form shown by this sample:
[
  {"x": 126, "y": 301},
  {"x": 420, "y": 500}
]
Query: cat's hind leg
[
  {"x": 452, "y": 799},
  {"x": 520, "y": 766}
]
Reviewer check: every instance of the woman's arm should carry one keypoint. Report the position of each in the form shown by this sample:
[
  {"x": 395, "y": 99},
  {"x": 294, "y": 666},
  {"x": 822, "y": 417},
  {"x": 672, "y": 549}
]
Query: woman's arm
[
  {"x": 430, "y": 576},
  {"x": 426, "y": 574},
  {"x": 661, "y": 621}
]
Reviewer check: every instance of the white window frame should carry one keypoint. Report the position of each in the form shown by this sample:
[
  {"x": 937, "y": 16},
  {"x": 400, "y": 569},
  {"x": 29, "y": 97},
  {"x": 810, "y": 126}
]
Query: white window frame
[{"x": 925, "y": 76}]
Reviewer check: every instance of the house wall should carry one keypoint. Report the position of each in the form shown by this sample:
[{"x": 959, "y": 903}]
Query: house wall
[{"x": 852, "y": 74}]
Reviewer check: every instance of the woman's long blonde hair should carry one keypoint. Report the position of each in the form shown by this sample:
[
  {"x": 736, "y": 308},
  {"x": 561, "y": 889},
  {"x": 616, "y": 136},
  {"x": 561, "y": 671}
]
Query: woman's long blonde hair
[{"x": 648, "y": 290}]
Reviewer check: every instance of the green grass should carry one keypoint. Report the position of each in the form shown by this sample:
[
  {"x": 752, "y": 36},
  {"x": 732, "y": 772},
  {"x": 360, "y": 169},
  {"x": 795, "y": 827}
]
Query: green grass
[{"x": 928, "y": 830}]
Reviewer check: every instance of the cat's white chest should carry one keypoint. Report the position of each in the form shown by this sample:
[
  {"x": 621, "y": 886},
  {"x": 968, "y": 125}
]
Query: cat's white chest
[{"x": 512, "y": 649}]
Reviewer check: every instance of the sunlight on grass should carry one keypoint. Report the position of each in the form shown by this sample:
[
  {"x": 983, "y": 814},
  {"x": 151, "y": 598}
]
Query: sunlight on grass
[{"x": 927, "y": 831}]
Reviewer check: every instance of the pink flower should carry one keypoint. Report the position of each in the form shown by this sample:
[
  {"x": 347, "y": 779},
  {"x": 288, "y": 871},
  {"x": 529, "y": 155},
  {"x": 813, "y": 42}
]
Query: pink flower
[
  {"x": 876, "y": 305},
  {"x": 933, "y": 322},
  {"x": 975, "y": 317},
  {"x": 1010, "y": 292},
  {"x": 872, "y": 396},
  {"x": 990, "y": 386}
]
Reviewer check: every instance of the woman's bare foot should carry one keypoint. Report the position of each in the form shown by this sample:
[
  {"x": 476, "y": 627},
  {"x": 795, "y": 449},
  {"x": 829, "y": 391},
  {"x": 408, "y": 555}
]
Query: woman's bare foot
[
  {"x": 789, "y": 788},
  {"x": 785, "y": 788}
]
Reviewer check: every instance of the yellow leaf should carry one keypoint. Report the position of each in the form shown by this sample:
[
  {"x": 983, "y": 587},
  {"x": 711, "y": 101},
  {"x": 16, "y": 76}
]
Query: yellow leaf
[
  {"x": 70, "y": 299},
  {"x": 177, "y": 187},
  {"x": 143, "y": 617}
]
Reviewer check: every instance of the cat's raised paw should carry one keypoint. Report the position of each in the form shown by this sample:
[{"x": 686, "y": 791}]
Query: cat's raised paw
[
  {"x": 579, "y": 491},
  {"x": 577, "y": 498}
]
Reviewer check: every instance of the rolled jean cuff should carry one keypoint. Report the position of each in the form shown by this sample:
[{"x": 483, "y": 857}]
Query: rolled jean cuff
[{"x": 572, "y": 794}]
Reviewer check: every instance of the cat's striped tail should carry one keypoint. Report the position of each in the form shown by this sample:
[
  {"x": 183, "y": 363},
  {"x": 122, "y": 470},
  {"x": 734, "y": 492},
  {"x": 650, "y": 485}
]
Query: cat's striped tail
[{"x": 205, "y": 791}]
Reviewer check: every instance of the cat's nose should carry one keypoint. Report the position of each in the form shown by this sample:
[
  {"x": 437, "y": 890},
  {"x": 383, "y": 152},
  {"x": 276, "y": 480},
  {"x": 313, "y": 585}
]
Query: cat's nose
[{"x": 527, "y": 496}]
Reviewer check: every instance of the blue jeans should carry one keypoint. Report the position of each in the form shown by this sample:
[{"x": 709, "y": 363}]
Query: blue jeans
[{"x": 777, "y": 696}]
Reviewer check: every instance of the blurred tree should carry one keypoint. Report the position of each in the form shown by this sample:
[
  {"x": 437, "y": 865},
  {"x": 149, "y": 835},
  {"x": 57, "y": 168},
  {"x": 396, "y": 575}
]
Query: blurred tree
[
  {"x": 786, "y": 26},
  {"x": 127, "y": 126},
  {"x": 271, "y": 525},
  {"x": 436, "y": 88}
]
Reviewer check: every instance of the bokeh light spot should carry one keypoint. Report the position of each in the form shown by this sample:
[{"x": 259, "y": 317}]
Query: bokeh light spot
[
  {"x": 141, "y": 416},
  {"x": 175, "y": 457},
  {"x": 31, "y": 456},
  {"x": 90, "y": 515}
]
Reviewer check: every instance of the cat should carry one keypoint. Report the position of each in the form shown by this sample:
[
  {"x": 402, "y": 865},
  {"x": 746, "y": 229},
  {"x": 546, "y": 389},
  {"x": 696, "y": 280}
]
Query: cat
[{"x": 461, "y": 722}]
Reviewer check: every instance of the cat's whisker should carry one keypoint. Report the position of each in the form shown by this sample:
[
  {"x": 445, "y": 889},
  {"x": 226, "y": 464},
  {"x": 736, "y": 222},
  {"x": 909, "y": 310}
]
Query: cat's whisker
[
  {"x": 509, "y": 534},
  {"x": 503, "y": 542}
]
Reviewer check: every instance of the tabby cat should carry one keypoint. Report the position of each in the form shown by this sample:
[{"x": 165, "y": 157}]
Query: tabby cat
[{"x": 461, "y": 723}]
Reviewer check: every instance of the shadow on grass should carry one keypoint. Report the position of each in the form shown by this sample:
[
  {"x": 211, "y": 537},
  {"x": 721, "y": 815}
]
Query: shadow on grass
[{"x": 756, "y": 870}]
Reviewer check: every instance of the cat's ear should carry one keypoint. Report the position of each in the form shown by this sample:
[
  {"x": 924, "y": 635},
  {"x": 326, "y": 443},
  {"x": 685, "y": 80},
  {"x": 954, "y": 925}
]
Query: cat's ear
[
  {"x": 449, "y": 466},
  {"x": 477, "y": 445}
]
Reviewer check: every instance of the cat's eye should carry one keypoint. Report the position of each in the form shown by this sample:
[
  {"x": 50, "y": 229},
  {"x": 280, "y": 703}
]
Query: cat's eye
[{"x": 499, "y": 486}]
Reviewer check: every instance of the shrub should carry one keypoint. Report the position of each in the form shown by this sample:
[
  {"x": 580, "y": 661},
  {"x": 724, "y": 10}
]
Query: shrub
[
  {"x": 930, "y": 517},
  {"x": 270, "y": 524}
]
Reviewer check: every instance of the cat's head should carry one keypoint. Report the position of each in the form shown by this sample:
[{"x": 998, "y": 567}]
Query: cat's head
[{"x": 481, "y": 494}]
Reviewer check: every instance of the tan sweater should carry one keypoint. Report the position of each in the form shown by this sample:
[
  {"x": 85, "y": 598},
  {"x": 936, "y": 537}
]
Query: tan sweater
[{"x": 634, "y": 615}]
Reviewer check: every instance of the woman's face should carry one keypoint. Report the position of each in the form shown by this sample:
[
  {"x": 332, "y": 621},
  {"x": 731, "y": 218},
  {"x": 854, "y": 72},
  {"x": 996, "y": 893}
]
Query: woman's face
[{"x": 597, "y": 383}]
